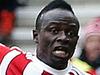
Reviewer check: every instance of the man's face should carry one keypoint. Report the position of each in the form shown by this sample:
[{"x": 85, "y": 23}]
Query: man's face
[
  {"x": 58, "y": 37},
  {"x": 92, "y": 47}
]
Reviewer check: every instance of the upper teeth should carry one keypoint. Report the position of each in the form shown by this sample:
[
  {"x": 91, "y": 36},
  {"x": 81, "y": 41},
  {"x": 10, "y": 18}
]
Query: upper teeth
[{"x": 60, "y": 52}]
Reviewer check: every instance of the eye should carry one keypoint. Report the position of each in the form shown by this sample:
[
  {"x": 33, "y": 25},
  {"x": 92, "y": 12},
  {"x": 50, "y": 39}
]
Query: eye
[
  {"x": 71, "y": 34},
  {"x": 54, "y": 30}
]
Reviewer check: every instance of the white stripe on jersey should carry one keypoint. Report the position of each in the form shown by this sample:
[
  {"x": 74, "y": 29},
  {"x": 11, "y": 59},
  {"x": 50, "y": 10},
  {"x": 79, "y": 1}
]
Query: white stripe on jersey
[
  {"x": 0, "y": 70},
  {"x": 33, "y": 69},
  {"x": 2, "y": 45},
  {"x": 6, "y": 61}
]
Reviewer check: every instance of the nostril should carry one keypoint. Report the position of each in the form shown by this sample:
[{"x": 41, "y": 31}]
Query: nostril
[
  {"x": 64, "y": 41},
  {"x": 59, "y": 40},
  {"x": 67, "y": 39}
]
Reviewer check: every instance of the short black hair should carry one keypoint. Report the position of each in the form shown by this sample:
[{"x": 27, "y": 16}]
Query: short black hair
[{"x": 53, "y": 5}]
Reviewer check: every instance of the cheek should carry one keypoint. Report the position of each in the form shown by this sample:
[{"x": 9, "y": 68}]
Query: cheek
[
  {"x": 44, "y": 39},
  {"x": 74, "y": 41}
]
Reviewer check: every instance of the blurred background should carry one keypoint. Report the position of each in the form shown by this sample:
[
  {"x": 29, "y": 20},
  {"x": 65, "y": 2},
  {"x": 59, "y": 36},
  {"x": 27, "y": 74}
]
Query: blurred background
[{"x": 26, "y": 16}]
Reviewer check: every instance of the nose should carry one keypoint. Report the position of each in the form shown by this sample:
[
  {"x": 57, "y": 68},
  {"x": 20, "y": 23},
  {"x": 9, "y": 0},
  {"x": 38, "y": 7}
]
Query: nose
[{"x": 63, "y": 38}]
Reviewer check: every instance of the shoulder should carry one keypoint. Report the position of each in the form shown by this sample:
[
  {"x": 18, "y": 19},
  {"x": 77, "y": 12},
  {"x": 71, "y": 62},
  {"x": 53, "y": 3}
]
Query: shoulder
[
  {"x": 12, "y": 59},
  {"x": 4, "y": 50}
]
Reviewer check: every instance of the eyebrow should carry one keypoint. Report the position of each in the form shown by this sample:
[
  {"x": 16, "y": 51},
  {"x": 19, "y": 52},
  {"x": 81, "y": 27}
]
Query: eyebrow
[
  {"x": 73, "y": 24},
  {"x": 70, "y": 24}
]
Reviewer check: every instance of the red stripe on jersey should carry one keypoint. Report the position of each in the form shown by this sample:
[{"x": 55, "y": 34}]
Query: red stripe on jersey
[
  {"x": 71, "y": 73},
  {"x": 46, "y": 73},
  {"x": 3, "y": 51},
  {"x": 17, "y": 65},
  {"x": 75, "y": 71}
]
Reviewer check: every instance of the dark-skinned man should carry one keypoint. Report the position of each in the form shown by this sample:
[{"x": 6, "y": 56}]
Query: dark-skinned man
[{"x": 56, "y": 36}]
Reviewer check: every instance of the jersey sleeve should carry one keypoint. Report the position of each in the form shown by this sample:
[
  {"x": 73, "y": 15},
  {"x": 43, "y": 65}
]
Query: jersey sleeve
[
  {"x": 3, "y": 51},
  {"x": 12, "y": 60}
]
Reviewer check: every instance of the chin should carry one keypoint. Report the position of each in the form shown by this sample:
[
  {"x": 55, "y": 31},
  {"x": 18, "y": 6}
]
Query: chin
[{"x": 59, "y": 60}]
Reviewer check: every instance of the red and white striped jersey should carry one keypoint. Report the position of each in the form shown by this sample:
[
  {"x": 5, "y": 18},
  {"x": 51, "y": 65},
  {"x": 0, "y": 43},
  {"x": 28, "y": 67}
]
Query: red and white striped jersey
[{"x": 13, "y": 61}]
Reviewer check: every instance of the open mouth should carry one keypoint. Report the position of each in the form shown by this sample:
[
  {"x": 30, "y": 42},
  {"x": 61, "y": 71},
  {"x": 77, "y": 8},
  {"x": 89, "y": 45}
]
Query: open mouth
[{"x": 60, "y": 52}]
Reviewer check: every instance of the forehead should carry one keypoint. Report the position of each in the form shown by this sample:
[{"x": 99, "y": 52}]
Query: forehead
[{"x": 59, "y": 16}]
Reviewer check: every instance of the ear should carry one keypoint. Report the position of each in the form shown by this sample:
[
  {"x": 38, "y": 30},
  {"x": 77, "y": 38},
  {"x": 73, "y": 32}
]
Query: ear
[{"x": 35, "y": 36}]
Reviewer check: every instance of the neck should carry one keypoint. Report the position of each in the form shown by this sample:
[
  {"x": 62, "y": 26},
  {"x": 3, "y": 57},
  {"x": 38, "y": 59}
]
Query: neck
[{"x": 55, "y": 64}]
